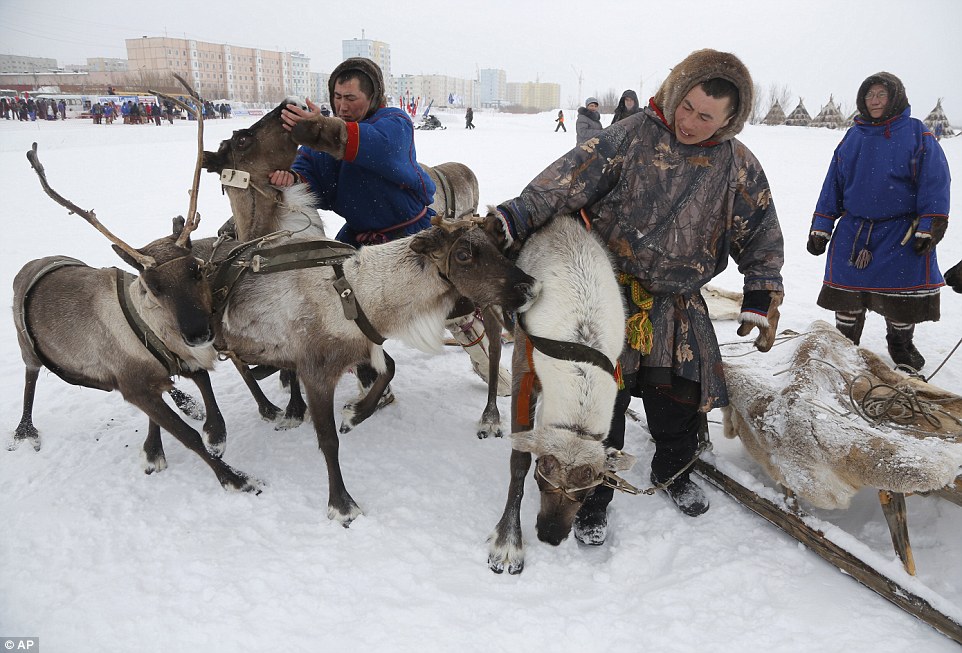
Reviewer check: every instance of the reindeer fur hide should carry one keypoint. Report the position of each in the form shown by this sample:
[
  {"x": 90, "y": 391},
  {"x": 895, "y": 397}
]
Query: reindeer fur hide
[{"x": 800, "y": 428}]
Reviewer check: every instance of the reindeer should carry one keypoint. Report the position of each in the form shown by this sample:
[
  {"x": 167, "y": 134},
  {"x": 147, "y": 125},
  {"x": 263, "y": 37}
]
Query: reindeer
[
  {"x": 244, "y": 163},
  {"x": 296, "y": 319},
  {"x": 89, "y": 326},
  {"x": 576, "y": 327}
]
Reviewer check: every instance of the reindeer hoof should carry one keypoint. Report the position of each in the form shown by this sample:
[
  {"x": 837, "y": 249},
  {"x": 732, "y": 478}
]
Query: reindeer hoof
[
  {"x": 487, "y": 430},
  {"x": 235, "y": 481},
  {"x": 344, "y": 517},
  {"x": 288, "y": 423},
  {"x": 26, "y": 432},
  {"x": 151, "y": 465},
  {"x": 269, "y": 413},
  {"x": 496, "y": 564}
]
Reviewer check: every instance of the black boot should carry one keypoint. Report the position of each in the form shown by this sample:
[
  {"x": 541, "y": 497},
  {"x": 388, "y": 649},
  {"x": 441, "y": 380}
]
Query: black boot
[
  {"x": 901, "y": 348},
  {"x": 685, "y": 494},
  {"x": 591, "y": 525},
  {"x": 850, "y": 325}
]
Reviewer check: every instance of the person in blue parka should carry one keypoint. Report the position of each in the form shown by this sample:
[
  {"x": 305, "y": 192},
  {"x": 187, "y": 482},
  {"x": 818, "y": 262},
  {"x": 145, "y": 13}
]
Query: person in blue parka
[
  {"x": 883, "y": 208},
  {"x": 373, "y": 180},
  {"x": 368, "y": 174}
]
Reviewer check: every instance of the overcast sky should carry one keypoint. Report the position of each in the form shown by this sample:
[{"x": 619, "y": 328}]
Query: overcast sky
[{"x": 815, "y": 48}]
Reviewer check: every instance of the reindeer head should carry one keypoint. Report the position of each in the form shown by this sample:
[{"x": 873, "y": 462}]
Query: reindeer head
[
  {"x": 468, "y": 258},
  {"x": 568, "y": 468},
  {"x": 259, "y": 149},
  {"x": 173, "y": 284}
]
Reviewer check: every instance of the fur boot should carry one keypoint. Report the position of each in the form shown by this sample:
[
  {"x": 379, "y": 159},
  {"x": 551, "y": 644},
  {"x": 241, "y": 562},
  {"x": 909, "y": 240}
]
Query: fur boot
[
  {"x": 850, "y": 325},
  {"x": 468, "y": 331},
  {"x": 901, "y": 348}
]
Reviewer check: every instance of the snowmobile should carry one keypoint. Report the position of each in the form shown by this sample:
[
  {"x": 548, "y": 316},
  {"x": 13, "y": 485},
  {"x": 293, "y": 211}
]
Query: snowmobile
[{"x": 430, "y": 122}]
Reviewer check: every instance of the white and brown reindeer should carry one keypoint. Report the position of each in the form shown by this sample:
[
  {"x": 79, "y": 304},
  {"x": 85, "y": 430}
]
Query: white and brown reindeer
[
  {"x": 296, "y": 319},
  {"x": 244, "y": 163},
  {"x": 110, "y": 330},
  {"x": 576, "y": 327}
]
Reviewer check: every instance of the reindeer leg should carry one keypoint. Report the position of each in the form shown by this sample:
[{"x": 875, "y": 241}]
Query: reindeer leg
[
  {"x": 187, "y": 404},
  {"x": 490, "y": 423},
  {"x": 161, "y": 414},
  {"x": 264, "y": 406},
  {"x": 505, "y": 546},
  {"x": 25, "y": 429},
  {"x": 320, "y": 401},
  {"x": 215, "y": 429},
  {"x": 354, "y": 414},
  {"x": 153, "y": 457},
  {"x": 294, "y": 415}
]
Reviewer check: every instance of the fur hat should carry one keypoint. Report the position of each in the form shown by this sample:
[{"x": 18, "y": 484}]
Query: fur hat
[
  {"x": 898, "y": 100},
  {"x": 591, "y": 100},
  {"x": 370, "y": 70},
  {"x": 701, "y": 66}
]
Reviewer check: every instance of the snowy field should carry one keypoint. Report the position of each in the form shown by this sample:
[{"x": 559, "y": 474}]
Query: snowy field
[{"x": 96, "y": 556}]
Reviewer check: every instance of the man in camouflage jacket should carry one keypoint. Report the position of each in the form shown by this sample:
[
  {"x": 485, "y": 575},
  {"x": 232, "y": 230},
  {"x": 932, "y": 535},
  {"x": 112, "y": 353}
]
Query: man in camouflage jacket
[{"x": 673, "y": 195}]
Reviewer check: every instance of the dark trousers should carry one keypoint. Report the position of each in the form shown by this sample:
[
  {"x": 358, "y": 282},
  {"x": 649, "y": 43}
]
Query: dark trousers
[{"x": 673, "y": 421}]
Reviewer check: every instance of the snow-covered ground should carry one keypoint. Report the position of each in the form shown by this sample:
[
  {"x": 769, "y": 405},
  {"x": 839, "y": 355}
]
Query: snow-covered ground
[{"x": 96, "y": 556}]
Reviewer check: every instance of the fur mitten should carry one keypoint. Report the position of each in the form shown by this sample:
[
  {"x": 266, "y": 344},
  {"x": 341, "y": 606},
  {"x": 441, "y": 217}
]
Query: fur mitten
[
  {"x": 926, "y": 242},
  {"x": 322, "y": 134},
  {"x": 754, "y": 314}
]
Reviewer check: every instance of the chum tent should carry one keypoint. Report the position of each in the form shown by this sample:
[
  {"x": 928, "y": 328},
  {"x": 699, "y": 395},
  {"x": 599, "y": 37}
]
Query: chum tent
[
  {"x": 830, "y": 116},
  {"x": 938, "y": 123},
  {"x": 775, "y": 116},
  {"x": 800, "y": 116}
]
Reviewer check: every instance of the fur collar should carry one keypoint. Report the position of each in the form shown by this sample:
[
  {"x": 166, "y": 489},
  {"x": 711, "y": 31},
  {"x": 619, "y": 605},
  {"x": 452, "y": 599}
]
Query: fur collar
[{"x": 698, "y": 67}]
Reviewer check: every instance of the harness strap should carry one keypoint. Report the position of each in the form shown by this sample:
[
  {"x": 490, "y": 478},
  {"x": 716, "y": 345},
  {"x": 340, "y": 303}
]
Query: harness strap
[
  {"x": 171, "y": 362},
  {"x": 571, "y": 351},
  {"x": 303, "y": 254},
  {"x": 59, "y": 262},
  {"x": 352, "y": 310},
  {"x": 390, "y": 233}
]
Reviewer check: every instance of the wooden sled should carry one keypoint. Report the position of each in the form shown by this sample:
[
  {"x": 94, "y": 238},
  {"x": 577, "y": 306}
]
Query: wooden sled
[{"x": 837, "y": 420}]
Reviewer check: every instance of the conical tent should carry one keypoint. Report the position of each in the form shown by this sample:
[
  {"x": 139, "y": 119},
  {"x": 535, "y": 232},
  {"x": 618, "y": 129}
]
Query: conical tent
[
  {"x": 800, "y": 116},
  {"x": 938, "y": 123},
  {"x": 775, "y": 115},
  {"x": 830, "y": 116}
]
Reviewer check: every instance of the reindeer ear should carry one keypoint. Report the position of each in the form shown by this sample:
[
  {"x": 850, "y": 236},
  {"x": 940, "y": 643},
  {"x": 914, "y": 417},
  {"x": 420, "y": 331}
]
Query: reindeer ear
[
  {"x": 128, "y": 259},
  {"x": 526, "y": 441},
  {"x": 428, "y": 242},
  {"x": 618, "y": 461}
]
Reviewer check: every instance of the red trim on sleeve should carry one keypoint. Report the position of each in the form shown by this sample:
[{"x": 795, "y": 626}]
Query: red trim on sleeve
[{"x": 353, "y": 141}]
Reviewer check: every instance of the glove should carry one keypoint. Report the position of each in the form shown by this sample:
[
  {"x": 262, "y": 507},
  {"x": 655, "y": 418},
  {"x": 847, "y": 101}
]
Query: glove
[
  {"x": 817, "y": 241},
  {"x": 322, "y": 134},
  {"x": 495, "y": 224},
  {"x": 954, "y": 277},
  {"x": 926, "y": 242},
  {"x": 751, "y": 316}
]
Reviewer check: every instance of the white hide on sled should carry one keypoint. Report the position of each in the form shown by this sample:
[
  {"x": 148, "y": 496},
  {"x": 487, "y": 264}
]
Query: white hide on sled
[{"x": 800, "y": 426}]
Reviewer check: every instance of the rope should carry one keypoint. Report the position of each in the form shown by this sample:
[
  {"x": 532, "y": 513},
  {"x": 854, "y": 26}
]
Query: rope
[{"x": 898, "y": 406}]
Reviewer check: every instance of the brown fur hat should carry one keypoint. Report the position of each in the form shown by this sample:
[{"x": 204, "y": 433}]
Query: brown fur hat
[
  {"x": 701, "y": 66},
  {"x": 370, "y": 70},
  {"x": 898, "y": 100}
]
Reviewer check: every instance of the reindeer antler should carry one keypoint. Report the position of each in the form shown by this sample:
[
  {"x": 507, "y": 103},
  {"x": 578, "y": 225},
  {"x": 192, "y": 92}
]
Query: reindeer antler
[
  {"x": 193, "y": 219},
  {"x": 145, "y": 261}
]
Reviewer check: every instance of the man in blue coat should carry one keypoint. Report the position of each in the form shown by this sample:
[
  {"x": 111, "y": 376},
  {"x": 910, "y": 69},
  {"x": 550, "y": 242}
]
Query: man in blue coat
[
  {"x": 366, "y": 171},
  {"x": 885, "y": 206}
]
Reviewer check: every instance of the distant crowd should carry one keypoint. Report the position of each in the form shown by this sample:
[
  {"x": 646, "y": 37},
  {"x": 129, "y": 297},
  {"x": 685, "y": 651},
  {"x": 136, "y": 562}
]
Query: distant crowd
[{"x": 130, "y": 112}]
